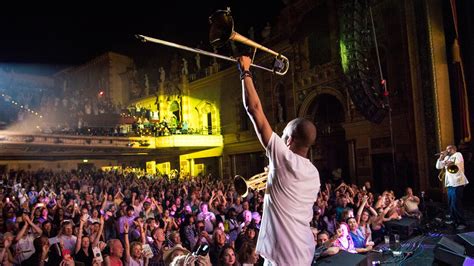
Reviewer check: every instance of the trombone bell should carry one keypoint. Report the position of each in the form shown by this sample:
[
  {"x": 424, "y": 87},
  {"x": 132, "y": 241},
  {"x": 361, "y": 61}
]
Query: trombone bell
[
  {"x": 257, "y": 182},
  {"x": 453, "y": 168},
  {"x": 222, "y": 30}
]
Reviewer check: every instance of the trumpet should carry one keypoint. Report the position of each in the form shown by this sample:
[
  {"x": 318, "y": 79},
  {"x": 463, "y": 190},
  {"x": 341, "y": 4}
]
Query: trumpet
[
  {"x": 257, "y": 182},
  {"x": 222, "y": 31}
]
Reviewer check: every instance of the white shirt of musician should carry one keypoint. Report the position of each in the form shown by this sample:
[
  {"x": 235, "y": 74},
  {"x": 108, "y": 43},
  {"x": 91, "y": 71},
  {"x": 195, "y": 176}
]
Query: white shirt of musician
[
  {"x": 293, "y": 184},
  {"x": 457, "y": 179}
]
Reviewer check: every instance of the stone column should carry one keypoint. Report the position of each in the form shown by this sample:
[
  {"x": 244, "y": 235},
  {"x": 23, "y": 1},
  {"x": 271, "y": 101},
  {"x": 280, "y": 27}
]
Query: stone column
[{"x": 440, "y": 74}]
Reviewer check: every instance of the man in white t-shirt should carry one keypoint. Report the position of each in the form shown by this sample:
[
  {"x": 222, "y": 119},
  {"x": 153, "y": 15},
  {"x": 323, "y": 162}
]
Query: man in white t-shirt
[
  {"x": 293, "y": 183},
  {"x": 208, "y": 217}
]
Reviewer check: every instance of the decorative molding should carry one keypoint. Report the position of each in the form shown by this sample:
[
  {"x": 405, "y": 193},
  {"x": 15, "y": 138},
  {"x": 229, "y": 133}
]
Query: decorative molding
[{"x": 313, "y": 94}]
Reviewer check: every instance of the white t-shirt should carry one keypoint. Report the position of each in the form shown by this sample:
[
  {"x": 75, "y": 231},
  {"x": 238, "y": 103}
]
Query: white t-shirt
[
  {"x": 25, "y": 248},
  {"x": 134, "y": 262},
  {"x": 209, "y": 218},
  {"x": 293, "y": 183},
  {"x": 69, "y": 242}
]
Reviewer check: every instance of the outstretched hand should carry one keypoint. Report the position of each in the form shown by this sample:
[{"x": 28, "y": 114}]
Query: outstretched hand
[
  {"x": 244, "y": 63},
  {"x": 125, "y": 228}
]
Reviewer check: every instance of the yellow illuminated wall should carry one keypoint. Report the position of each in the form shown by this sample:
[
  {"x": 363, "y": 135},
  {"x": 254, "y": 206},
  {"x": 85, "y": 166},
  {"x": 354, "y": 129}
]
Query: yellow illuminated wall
[
  {"x": 151, "y": 167},
  {"x": 111, "y": 168},
  {"x": 199, "y": 169},
  {"x": 186, "y": 161},
  {"x": 204, "y": 98},
  {"x": 199, "y": 102},
  {"x": 164, "y": 168}
]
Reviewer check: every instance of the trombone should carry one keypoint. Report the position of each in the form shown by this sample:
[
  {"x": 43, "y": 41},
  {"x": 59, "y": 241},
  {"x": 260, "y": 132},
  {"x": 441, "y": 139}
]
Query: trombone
[
  {"x": 257, "y": 182},
  {"x": 222, "y": 30},
  {"x": 453, "y": 168}
]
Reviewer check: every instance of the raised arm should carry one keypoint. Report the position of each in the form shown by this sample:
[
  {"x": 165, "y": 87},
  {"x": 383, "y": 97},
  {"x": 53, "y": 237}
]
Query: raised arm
[
  {"x": 351, "y": 192},
  {"x": 127, "y": 242},
  {"x": 157, "y": 206},
  {"x": 340, "y": 186},
  {"x": 373, "y": 211},
  {"x": 79, "y": 235},
  {"x": 104, "y": 202},
  {"x": 224, "y": 201},
  {"x": 252, "y": 103},
  {"x": 211, "y": 200},
  {"x": 36, "y": 228},
  {"x": 22, "y": 231},
  {"x": 6, "y": 256},
  {"x": 99, "y": 233},
  {"x": 134, "y": 196},
  {"x": 361, "y": 208},
  {"x": 143, "y": 240}
]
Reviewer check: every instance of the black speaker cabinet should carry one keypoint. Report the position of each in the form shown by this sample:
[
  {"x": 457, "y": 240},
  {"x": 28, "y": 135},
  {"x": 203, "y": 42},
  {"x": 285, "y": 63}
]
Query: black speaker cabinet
[
  {"x": 344, "y": 258},
  {"x": 449, "y": 252},
  {"x": 467, "y": 239}
]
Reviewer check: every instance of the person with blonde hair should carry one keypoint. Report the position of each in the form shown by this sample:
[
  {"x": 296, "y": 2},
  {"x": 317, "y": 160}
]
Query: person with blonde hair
[{"x": 134, "y": 251}]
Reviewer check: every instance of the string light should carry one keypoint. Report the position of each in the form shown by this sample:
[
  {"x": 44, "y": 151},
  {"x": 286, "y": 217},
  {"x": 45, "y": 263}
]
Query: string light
[{"x": 8, "y": 99}]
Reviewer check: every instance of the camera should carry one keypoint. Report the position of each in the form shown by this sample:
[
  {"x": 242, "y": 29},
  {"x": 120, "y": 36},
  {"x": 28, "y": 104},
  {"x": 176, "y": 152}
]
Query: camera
[
  {"x": 202, "y": 250},
  {"x": 97, "y": 254}
]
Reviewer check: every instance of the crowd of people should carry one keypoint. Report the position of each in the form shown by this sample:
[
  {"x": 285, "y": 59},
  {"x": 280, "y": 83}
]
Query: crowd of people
[
  {"x": 108, "y": 218},
  {"x": 56, "y": 111},
  {"x": 74, "y": 115}
]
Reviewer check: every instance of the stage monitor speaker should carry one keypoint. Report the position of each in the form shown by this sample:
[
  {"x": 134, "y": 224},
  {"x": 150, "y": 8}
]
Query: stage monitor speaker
[
  {"x": 344, "y": 258},
  {"x": 404, "y": 227},
  {"x": 468, "y": 241},
  {"x": 449, "y": 252}
]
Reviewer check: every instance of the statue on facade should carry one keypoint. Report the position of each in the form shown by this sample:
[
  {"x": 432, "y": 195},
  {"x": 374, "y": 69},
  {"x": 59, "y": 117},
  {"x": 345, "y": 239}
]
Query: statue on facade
[
  {"x": 251, "y": 33},
  {"x": 280, "y": 100},
  {"x": 174, "y": 68},
  {"x": 184, "y": 69},
  {"x": 147, "y": 85},
  {"x": 266, "y": 31},
  {"x": 197, "y": 57},
  {"x": 161, "y": 70}
]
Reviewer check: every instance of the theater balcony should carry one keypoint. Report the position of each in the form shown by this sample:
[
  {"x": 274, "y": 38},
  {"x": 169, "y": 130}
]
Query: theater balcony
[{"x": 21, "y": 146}]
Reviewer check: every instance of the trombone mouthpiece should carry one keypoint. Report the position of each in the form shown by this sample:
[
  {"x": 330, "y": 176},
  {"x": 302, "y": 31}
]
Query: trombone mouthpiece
[{"x": 278, "y": 65}]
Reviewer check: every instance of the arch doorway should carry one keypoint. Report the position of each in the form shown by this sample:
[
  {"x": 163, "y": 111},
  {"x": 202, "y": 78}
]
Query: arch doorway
[{"x": 330, "y": 151}]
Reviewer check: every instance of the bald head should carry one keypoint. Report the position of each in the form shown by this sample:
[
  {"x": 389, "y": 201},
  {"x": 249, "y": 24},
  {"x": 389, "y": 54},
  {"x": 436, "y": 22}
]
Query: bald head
[{"x": 302, "y": 133}]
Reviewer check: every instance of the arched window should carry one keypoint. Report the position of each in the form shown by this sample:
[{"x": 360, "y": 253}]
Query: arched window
[{"x": 176, "y": 110}]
